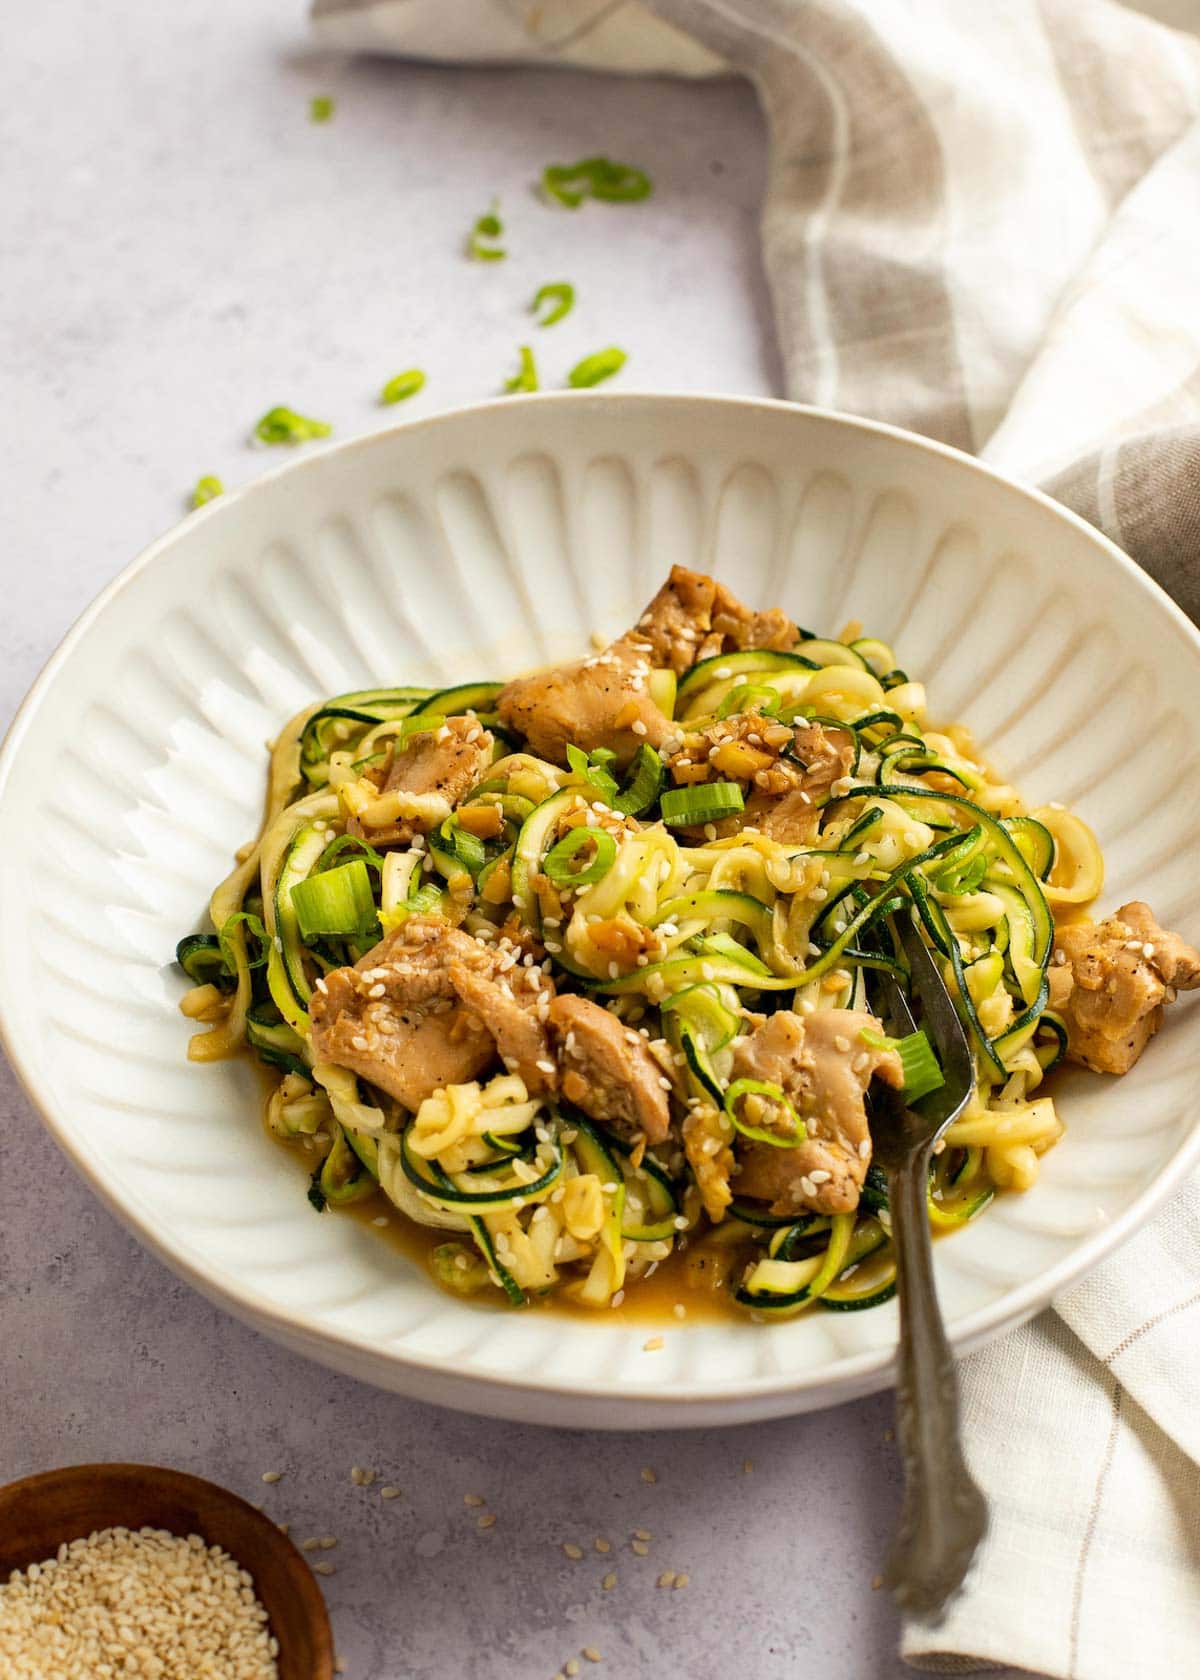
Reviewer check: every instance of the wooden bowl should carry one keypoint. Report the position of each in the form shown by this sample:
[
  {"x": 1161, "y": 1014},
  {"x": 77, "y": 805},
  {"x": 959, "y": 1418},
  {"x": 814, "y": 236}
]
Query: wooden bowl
[{"x": 38, "y": 1513}]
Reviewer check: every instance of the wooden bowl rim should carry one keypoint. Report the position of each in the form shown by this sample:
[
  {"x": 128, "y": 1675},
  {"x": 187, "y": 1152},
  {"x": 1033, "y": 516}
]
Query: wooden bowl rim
[{"x": 187, "y": 1486}]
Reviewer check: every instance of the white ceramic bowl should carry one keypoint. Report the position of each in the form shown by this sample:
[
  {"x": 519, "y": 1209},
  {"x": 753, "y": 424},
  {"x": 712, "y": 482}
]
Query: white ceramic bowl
[{"x": 476, "y": 544}]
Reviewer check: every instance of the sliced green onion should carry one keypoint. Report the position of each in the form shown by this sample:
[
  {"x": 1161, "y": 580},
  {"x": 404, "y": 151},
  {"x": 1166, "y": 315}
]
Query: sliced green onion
[
  {"x": 920, "y": 1066},
  {"x": 594, "y": 769},
  {"x": 559, "y": 860},
  {"x": 284, "y": 425},
  {"x": 595, "y": 369},
  {"x": 320, "y": 108},
  {"x": 349, "y": 843},
  {"x": 526, "y": 377},
  {"x": 487, "y": 227},
  {"x": 560, "y": 295},
  {"x": 774, "y": 1094},
  {"x": 643, "y": 783},
  {"x": 749, "y": 697},
  {"x": 403, "y": 386},
  {"x": 207, "y": 490},
  {"x": 595, "y": 177},
  {"x": 702, "y": 803},
  {"x": 467, "y": 848},
  {"x": 967, "y": 879},
  {"x": 338, "y": 902}
]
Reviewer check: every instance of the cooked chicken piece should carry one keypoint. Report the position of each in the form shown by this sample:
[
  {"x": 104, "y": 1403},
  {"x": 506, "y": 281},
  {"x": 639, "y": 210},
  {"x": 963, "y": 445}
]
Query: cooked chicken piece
[
  {"x": 396, "y": 1018},
  {"x": 607, "y": 1069},
  {"x": 507, "y": 1004},
  {"x": 707, "y": 1143},
  {"x": 1110, "y": 980},
  {"x": 425, "y": 780},
  {"x": 602, "y": 701},
  {"x": 824, "y": 1068},
  {"x": 694, "y": 616}
]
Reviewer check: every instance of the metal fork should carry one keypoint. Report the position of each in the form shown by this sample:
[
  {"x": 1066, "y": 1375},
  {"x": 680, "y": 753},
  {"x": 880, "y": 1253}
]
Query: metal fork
[{"x": 944, "y": 1515}]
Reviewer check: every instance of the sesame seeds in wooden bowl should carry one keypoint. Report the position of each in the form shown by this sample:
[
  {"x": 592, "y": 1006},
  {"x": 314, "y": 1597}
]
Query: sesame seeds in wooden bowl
[{"x": 41, "y": 1514}]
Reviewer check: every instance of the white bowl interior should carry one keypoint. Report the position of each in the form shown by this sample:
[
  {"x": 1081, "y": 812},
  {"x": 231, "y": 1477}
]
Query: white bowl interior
[{"x": 475, "y": 545}]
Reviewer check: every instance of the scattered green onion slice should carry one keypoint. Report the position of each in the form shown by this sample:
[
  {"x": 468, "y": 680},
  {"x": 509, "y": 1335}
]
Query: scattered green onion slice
[
  {"x": 702, "y": 803},
  {"x": 338, "y": 903},
  {"x": 595, "y": 177},
  {"x": 749, "y": 697},
  {"x": 284, "y": 425},
  {"x": 486, "y": 230},
  {"x": 526, "y": 377},
  {"x": 320, "y": 108},
  {"x": 921, "y": 1071},
  {"x": 594, "y": 769},
  {"x": 595, "y": 369},
  {"x": 403, "y": 386},
  {"x": 760, "y": 1134},
  {"x": 207, "y": 490},
  {"x": 467, "y": 848},
  {"x": 560, "y": 295},
  {"x": 559, "y": 864},
  {"x": 642, "y": 784},
  {"x": 957, "y": 880}
]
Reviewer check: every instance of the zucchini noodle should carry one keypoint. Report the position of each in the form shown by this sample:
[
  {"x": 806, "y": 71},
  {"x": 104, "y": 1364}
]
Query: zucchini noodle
[{"x": 704, "y": 878}]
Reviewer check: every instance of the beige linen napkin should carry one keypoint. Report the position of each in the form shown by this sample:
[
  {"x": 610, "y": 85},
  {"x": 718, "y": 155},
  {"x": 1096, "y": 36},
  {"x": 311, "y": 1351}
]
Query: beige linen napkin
[{"x": 983, "y": 222}]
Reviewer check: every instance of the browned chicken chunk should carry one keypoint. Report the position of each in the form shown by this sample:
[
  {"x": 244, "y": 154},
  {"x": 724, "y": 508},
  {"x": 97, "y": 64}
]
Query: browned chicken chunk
[
  {"x": 785, "y": 768},
  {"x": 435, "y": 768},
  {"x": 694, "y": 616},
  {"x": 602, "y": 701},
  {"x": 823, "y": 1066},
  {"x": 1110, "y": 980},
  {"x": 396, "y": 1018},
  {"x": 607, "y": 1069},
  {"x": 508, "y": 1005}
]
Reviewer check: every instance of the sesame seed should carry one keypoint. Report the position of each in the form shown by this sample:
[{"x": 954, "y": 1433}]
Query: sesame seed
[
  {"x": 328, "y": 1543},
  {"x": 487, "y": 1522},
  {"x": 324, "y": 1568},
  {"x": 638, "y": 727},
  {"x": 649, "y": 1475},
  {"x": 310, "y": 1545},
  {"x": 272, "y": 1476},
  {"x": 666, "y": 1579},
  {"x": 653, "y": 1345},
  {"x": 640, "y": 1547},
  {"x": 571, "y": 1668},
  {"x": 389, "y": 1493},
  {"x": 591, "y": 1653},
  {"x": 682, "y": 1580},
  {"x": 748, "y": 1467},
  {"x": 572, "y": 1551},
  {"x": 642, "y": 1534},
  {"x": 472, "y": 1499},
  {"x": 679, "y": 1310},
  {"x": 601, "y": 1544},
  {"x": 609, "y": 1581}
]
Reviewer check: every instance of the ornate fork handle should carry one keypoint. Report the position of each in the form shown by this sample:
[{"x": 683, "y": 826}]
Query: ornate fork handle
[{"x": 944, "y": 1515}]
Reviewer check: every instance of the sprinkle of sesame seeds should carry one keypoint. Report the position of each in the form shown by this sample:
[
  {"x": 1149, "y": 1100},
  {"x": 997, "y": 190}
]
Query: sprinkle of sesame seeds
[
  {"x": 642, "y": 1534},
  {"x": 682, "y": 1580},
  {"x": 272, "y": 1475},
  {"x": 389, "y": 1493},
  {"x": 666, "y": 1579},
  {"x": 324, "y": 1568},
  {"x": 649, "y": 1475},
  {"x": 486, "y": 1522},
  {"x": 609, "y": 1581},
  {"x": 591, "y": 1653},
  {"x": 572, "y": 1551},
  {"x": 328, "y": 1543},
  {"x": 310, "y": 1545},
  {"x": 640, "y": 1547},
  {"x": 571, "y": 1668}
]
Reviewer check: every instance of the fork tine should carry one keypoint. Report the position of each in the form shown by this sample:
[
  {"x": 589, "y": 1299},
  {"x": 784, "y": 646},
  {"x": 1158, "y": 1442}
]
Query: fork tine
[{"x": 940, "y": 1018}]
